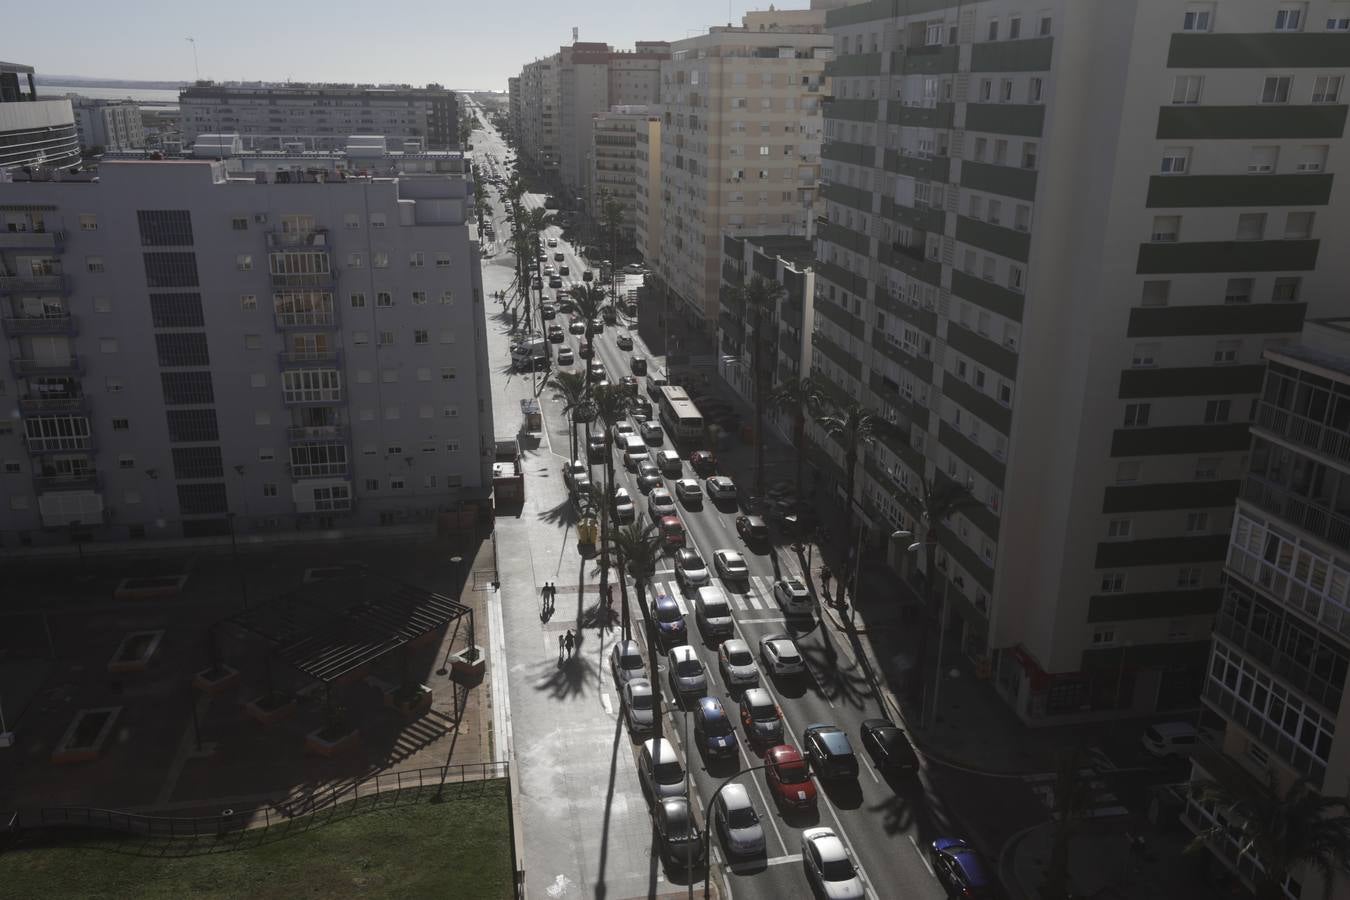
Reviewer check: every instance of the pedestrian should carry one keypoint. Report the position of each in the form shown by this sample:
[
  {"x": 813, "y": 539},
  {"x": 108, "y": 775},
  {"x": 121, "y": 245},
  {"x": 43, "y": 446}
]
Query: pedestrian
[
  {"x": 561, "y": 643},
  {"x": 569, "y": 640}
]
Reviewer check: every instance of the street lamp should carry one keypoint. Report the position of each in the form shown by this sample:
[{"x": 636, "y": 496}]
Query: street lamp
[
  {"x": 707, "y": 825},
  {"x": 942, "y": 617}
]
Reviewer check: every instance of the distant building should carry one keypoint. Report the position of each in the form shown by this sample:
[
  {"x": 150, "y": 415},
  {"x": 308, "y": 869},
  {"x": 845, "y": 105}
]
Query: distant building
[
  {"x": 34, "y": 132},
  {"x": 322, "y": 116},
  {"x": 647, "y": 201},
  {"x": 112, "y": 125},
  {"x": 614, "y": 164},
  {"x": 513, "y": 106}
]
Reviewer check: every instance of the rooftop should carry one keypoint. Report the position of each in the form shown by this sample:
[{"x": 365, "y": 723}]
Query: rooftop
[{"x": 792, "y": 249}]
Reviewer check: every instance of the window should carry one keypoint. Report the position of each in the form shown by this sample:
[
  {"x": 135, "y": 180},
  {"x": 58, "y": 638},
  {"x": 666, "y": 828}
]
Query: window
[
  {"x": 1186, "y": 88},
  {"x": 1014, "y": 28},
  {"x": 450, "y": 412},
  {"x": 248, "y": 302},
  {"x": 107, "y": 345},
  {"x": 176, "y": 311},
  {"x": 423, "y": 374},
  {"x": 1188, "y": 577},
  {"x": 1298, "y": 226},
  {"x": 1136, "y": 415},
  {"x": 358, "y": 300},
  {"x": 360, "y": 338},
  {"x": 372, "y": 484},
  {"x": 1022, "y": 217},
  {"x": 1289, "y": 17},
  {"x": 396, "y": 483},
  {"x": 1000, "y": 152},
  {"x": 1128, "y": 472},
  {"x": 114, "y": 385},
  {"x": 377, "y": 220},
  {"x": 1276, "y": 89},
  {"x": 1311, "y": 159},
  {"x": 1119, "y": 528},
  {"x": 94, "y": 264},
  {"x": 121, "y": 425},
  {"x": 1338, "y": 19},
  {"x": 1262, "y": 159},
  {"x": 1166, "y": 229},
  {"x": 1195, "y": 19},
  {"x": 351, "y": 220},
  {"x": 1035, "y": 88},
  {"x": 447, "y": 337},
  {"x": 1155, "y": 293},
  {"x": 420, "y": 336},
  {"x": 379, "y": 259},
  {"x": 1226, "y": 352},
  {"x": 1016, "y": 278},
  {"x": 102, "y": 305},
  {"x": 417, "y": 259},
  {"x": 182, "y": 349},
  {"x": 1251, "y": 226},
  {"x": 442, "y": 260},
  {"x": 447, "y": 298},
  {"x": 1216, "y": 411},
  {"x": 257, "y": 379},
  {"x": 355, "y": 260},
  {"x": 389, "y": 376},
  {"x": 447, "y": 373},
  {"x": 1207, "y": 468},
  {"x": 1143, "y": 356},
  {"x": 993, "y": 29},
  {"x": 252, "y": 341},
  {"x": 244, "y": 262},
  {"x": 419, "y": 298},
  {"x": 1029, "y": 154},
  {"x": 384, "y": 299},
  {"x": 385, "y": 339},
  {"x": 1005, "y": 90},
  {"x": 269, "y": 489},
  {"x": 1326, "y": 89},
  {"x": 981, "y": 145},
  {"x": 1113, "y": 583},
  {"x": 1238, "y": 290},
  {"x": 932, "y": 35},
  {"x": 1286, "y": 289},
  {"x": 995, "y": 212},
  {"x": 1197, "y": 522},
  {"x": 1175, "y": 160},
  {"x": 89, "y": 222},
  {"x": 1044, "y": 28}
]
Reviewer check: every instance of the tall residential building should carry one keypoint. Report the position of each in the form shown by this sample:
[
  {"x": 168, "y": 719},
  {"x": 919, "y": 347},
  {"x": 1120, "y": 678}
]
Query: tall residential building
[
  {"x": 112, "y": 125},
  {"x": 34, "y": 132},
  {"x": 1281, "y": 650},
  {"x": 513, "y": 110},
  {"x": 539, "y": 104},
  {"x": 614, "y": 162},
  {"x": 273, "y": 342},
  {"x": 1057, "y": 245},
  {"x": 740, "y": 136},
  {"x": 321, "y": 116},
  {"x": 648, "y": 218}
]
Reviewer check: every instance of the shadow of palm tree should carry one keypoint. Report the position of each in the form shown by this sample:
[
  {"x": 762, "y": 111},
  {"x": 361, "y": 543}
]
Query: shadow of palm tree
[
  {"x": 564, "y": 513},
  {"x": 837, "y": 682},
  {"x": 566, "y": 679},
  {"x": 601, "y": 889}
]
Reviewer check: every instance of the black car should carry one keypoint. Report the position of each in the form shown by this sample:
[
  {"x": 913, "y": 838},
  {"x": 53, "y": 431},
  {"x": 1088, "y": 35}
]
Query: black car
[
  {"x": 830, "y": 753},
  {"x": 713, "y": 729},
  {"x": 678, "y": 836},
  {"x": 752, "y": 529},
  {"x": 961, "y": 869},
  {"x": 638, "y": 365},
  {"x": 888, "y": 745}
]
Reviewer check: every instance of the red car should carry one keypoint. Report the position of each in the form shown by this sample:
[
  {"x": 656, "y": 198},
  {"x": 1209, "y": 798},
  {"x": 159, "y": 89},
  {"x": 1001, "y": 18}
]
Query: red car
[
  {"x": 672, "y": 531},
  {"x": 789, "y": 778},
  {"x": 703, "y": 462}
]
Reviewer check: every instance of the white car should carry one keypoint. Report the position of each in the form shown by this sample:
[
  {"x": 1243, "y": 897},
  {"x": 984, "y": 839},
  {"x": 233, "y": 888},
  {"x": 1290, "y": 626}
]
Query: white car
[
  {"x": 720, "y": 487},
  {"x": 737, "y": 822},
  {"x": 689, "y": 491},
  {"x": 634, "y": 452},
  {"x": 660, "y": 503},
  {"x": 624, "y": 510},
  {"x": 828, "y": 866},
  {"x": 792, "y": 596},
  {"x": 731, "y": 565},
  {"x": 690, "y": 570},
  {"x": 737, "y": 664},
  {"x": 622, "y": 430},
  {"x": 660, "y": 769},
  {"x": 780, "y": 655},
  {"x": 625, "y": 661},
  {"x": 652, "y": 433},
  {"x": 577, "y": 475},
  {"x": 668, "y": 461}
]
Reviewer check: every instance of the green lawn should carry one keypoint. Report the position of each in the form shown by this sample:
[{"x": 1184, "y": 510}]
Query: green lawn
[{"x": 404, "y": 847}]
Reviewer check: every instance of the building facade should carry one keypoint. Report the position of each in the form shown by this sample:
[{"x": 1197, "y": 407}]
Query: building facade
[
  {"x": 1029, "y": 214},
  {"x": 614, "y": 162},
  {"x": 539, "y": 105},
  {"x": 110, "y": 125},
  {"x": 513, "y": 114},
  {"x": 194, "y": 344},
  {"x": 321, "y": 116},
  {"x": 33, "y": 132},
  {"x": 1281, "y": 645},
  {"x": 648, "y": 217}
]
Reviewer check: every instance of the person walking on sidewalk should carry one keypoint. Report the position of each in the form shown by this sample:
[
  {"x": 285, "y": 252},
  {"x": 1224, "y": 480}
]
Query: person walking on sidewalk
[
  {"x": 569, "y": 640},
  {"x": 561, "y": 642}
]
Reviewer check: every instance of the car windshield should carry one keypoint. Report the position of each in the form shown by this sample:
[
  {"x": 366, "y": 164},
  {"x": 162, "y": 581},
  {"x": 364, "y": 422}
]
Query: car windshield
[
  {"x": 786, "y": 652},
  {"x": 793, "y": 773},
  {"x": 836, "y": 742},
  {"x": 836, "y": 870},
  {"x": 742, "y": 817},
  {"x": 796, "y": 587},
  {"x": 691, "y": 562},
  {"x": 716, "y": 610},
  {"x": 717, "y": 727},
  {"x": 632, "y": 661},
  {"x": 669, "y": 613},
  {"x": 642, "y": 701},
  {"x": 766, "y": 712},
  {"x": 668, "y": 772},
  {"x": 740, "y": 658},
  {"x": 688, "y": 667}
]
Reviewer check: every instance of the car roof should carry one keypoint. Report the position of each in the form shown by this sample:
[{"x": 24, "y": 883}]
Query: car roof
[
  {"x": 735, "y": 796},
  {"x": 785, "y": 753},
  {"x": 757, "y": 697},
  {"x": 664, "y": 601},
  {"x": 661, "y": 747},
  {"x": 638, "y": 686},
  {"x": 731, "y": 555},
  {"x": 828, "y": 845},
  {"x": 711, "y": 707},
  {"x": 731, "y": 645},
  {"x": 971, "y": 863},
  {"x": 793, "y": 583},
  {"x": 671, "y": 520},
  {"x": 627, "y": 648},
  {"x": 683, "y": 652}
]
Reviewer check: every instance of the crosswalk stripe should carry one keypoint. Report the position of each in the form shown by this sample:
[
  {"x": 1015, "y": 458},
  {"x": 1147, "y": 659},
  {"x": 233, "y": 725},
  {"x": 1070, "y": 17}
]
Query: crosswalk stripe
[{"x": 750, "y": 600}]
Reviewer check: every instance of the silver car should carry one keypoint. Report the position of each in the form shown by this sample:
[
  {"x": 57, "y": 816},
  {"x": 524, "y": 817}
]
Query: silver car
[
  {"x": 720, "y": 487},
  {"x": 687, "y": 678},
  {"x": 731, "y": 565},
  {"x": 792, "y": 596},
  {"x": 625, "y": 661},
  {"x": 737, "y": 664},
  {"x": 780, "y": 655},
  {"x": 660, "y": 769},
  {"x": 660, "y": 503},
  {"x": 639, "y": 707},
  {"x": 737, "y": 822},
  {"x": 828, "y": 866}
]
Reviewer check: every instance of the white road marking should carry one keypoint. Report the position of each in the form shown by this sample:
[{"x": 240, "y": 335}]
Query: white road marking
[
  {"x": 605, "y": 702},
  {"x": 742, "y": 868},
  {"x": 923, "y": 857},
  {"x": 867, "y": 764}
]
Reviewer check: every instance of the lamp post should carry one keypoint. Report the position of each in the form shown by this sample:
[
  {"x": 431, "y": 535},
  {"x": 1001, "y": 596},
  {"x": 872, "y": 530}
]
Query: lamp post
[
  {"x": 707, "y": 826},
  {"x": 929, "y": 543}
]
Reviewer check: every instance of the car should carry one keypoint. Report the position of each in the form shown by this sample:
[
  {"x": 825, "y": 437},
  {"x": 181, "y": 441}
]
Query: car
[
  {"x": 565, "y": 304},
  {"x": 703, "y": 462},
  {"x": 831, "y": 754},
  {"x": 555, "y": 282},
  {"x": 670, "y": 627},
  {"x": 737, "y": 822},
  {"x": 553, "y": 242},
  {"x": 577, "y": 326},
  {"x": 789, "y": 778},
  {"x": 961, "y": 869},
  {"x": 651, "y": 431},
  {"x": 720, "y": 487},
  {"x": 678, "y": 837},
  {"x": 685, "y": 672},
  {"x": 648, "y": 475},
  {"x": 659, "y": 769},
  {"x": 668, "y": 461},
  {"x": 888, "y": 746},
  {"x": 548, "y": 311},
  {"x": 752, "y": 529},
  {"x": 713, "y": 613},
  {"x": 780, "y": 655},
  {"x": 564, "y": 270},
  {"x": 690, "y": 570},
  {"x": 828, "y": 866},
  {"x": 625, "y": 662},
  {"x": 660, "y": 503},
  {"x": 671, "y": 530},
  {"x": 689, "y": 492},
  {"x": 586, "y": 351},
  {"x": 587, "y": 275},
  {"x": 565, "y": 357},
  {"x": 594, "y": 327},
  {"x": 792, "y": 596},
  {"x": 558, "y": 257},
  {"x": 596, "y": 367},
  {"x": 654, "y": 386},
  {"x": 548, "y": 271},
  {"x": 630, "y": 384},
  {"x": 637, "y": 365},
  {"x": 712, "y": 729},
  {"x": 639, "y": 706},
  {"x": 576, "y": 471},
  {"x": 634, "y": 451},
  {"x": 737, "y": 664},
  {"x": 595, "y": 447},
  {"x": 536, "y": 284},
  {"x": 731, "y": 565},
  {"x": 555, "y": 334},
  {"x": 625, "y": 341},
  {"x": 760, "y": 717},
  {"x": 624, "y": 510},
  {"x": 622, "y": 430}
]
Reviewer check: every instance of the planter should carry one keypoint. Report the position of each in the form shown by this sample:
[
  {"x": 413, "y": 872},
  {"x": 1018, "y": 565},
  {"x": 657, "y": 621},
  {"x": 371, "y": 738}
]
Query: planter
[
  {"x": 135, "y": 651},
  {"x": 331, "y": 745},
  {"x": 84, "y": 738},
  {"x": 411, "y": 703},
  {"x": 468, "y": 665},
  {"x": 214, "y": 681},
  {"x": 268, "y": 710}
]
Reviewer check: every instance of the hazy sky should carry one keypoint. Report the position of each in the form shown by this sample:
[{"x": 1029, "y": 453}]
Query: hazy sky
[{"x": 462, "y": 44}]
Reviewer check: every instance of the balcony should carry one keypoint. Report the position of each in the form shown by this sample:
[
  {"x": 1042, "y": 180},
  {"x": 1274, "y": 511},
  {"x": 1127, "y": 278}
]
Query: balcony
[
  {"x": 311, "y": 319},
  {"x": 63, "y": 443},
  {"x": 280, "y": 240},
  {"x": 301, "y": 434},
  {"x": 28, "y": 367},
  {"x": 50, "y": 241},
  {"x": 296, "y": 357},
  {"x": 14, "y": 326},
  {"x": 306, "y": 280},
  {"x": 1316, "y": 436},
  {"x": 1319, "y": 690},
  {"x": 34, "y": 284},
  {"x": 74, "y": 481},
  {"x": 53, "y": 404},
  {"x": 1274, "y": 738},
  {"x": 315, "y": 397},
  {"x": 1302, "y": 512},
  {"x": 301, "y": 471}
]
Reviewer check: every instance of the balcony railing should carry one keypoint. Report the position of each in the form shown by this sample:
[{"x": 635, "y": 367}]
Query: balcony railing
[
  {"x": 1313, "y": 518},
  {"x": 20, "y": 325},
  {"x": 306, "y": 280},
  {"x": 76, "y": 481},
  {"x": 32, "y": 405},
  {"x": 300, "y": 434},
  {"x": 292, "y": 357},
  {"x": 319, "y": 470},
  {"x": 277, "y": 240},
  {"x": 60, "y": 443},
  {"x": 316, "y": 397},
  {"x": 1318, "y": 689},
  {"x": 1316, "y": 436},
  {"x": 305, "y": 319},
  {"x": 1265, "y": 731},
  {"x": 33, "y": 284},
  {"x": 71, "y": 366},
  {"x": 33, "y": 240}
]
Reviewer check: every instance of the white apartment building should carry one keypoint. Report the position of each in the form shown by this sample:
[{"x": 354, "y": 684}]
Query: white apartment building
[
  {"x": 539, "y": 105},
  {"x": 513, "y": 106},
  {"x": 112, "y": 125},
  {"x": 1059, "y": 239},
  {"x": 648, "y": 217},
  {"x": 321, "y": 116},
  {"x": 280, "y": 344},
  {"x": 34, "y": 132},
  {"x": 614, "y": 162},
  {"x": 740, "y": 145}
]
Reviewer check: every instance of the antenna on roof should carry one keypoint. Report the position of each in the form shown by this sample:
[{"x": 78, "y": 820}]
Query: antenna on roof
[
  {"x": 574, "y": 34},
  {"x": 196, "y": 68}
]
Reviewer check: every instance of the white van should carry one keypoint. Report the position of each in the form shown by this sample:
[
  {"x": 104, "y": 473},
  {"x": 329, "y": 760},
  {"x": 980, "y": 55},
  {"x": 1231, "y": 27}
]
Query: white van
[
  {"x": 713, "y": 612},
  {"x": 1171, "y": 739},
  {"x": 634, "y": 451}
]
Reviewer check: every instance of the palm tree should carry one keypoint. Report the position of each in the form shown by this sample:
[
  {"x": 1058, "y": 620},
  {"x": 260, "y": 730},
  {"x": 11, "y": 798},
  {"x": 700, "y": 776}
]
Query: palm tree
[
  {"x": 639, "y": 546},
  {"x": 611, "y": 216},
  {"x": 571, "y": 388},
  {"x": 590, "y": 301},
  {"x": 804, "y": 399},
  {"x": 855, "y": 427},
  {"x": 611, "y": 406},
  {"x": 532, "y": 223},
  {"x": 758, "y": 301},
  {"x": 1283, "y": 831}
]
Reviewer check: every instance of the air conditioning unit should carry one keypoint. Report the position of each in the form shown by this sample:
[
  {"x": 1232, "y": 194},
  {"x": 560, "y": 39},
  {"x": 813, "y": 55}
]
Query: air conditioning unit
[{"x": 260, "y": 218}]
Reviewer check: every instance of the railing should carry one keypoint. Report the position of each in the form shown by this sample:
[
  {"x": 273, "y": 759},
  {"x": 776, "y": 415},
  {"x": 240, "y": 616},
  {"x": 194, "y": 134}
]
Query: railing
[
  {"x": 319, "y": 470},
  {"x": 33, "y": 240},
  {"x": 305, "y": 280},
  {"x": 52, "y": 404},
  {"x": 302, "y": 433},
  {"x": 60, "y": 444},
  {"x": 32, "y": 284},
  {"x": 1265, "y": 731},
  {"x": 315, "y": 396},
  {"x": 82, "y": 481},
  {"x": 1300, "y": 511},
  {"x": 1302, "y": 430},
  {"x": 46, "y": 366},
  {"x": 1319, "y": 689},
  {"x": 280, "y": 239},
  {"x": 290, "y": 357},
  {"x": 17, "y": 325},
  {"x": 304, "y": 319}
]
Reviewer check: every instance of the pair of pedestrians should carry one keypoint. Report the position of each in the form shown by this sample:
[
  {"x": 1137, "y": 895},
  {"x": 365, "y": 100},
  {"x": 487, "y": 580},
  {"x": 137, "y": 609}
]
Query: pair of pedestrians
[{"x": 566, "y": 642}]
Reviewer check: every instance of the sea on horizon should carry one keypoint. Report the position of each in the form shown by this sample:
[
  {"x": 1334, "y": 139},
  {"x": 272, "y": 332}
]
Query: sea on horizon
[{"x": 95, "y": 92}]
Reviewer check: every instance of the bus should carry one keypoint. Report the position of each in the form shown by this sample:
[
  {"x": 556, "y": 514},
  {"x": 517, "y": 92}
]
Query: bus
[{"x": 679, "y": 415}]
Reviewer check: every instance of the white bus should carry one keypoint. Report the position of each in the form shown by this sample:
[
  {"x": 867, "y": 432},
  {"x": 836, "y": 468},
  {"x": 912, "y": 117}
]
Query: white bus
[{"x": 680, "y": 416}]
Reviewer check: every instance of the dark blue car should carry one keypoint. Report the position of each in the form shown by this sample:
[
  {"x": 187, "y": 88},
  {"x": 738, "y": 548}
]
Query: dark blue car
[
  {"x": 670, "y": 625},
  {"x": 961, "y": 869},
  {"x": 713, "y": 729}
]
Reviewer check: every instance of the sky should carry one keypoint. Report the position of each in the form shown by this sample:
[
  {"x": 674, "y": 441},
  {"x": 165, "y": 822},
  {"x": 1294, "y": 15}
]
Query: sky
[{"x": 458, "y": 44}]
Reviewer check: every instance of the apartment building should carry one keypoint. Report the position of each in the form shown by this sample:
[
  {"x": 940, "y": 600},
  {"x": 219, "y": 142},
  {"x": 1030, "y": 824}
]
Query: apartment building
[
  {"x": 539, "y": 105},
  {"x": 786, "y": 261},
  {"x": 276, "y": 344},
  {"x": 34, "y": 132},
  {"x": 321, "y": 116},
  {"x": 112, "y": 125},
  {"x": 1058, "y": 241},
  {"x": 513, "y": 111},
  {"x": 614, "y": 162},
  {"x": 648, "y": 217},
  {"x": 740, "y": 146},
  {"x": 1281, "y": 646}
]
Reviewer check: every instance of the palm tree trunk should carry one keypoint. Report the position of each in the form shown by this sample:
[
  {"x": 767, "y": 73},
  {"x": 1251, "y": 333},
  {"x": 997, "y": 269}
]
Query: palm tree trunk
[
  {"x": 604, "y": 528},
  {"x": 653, "y": 656},
  {"x": 841, "y": 578},
  {"x": 799, "y": 438},
  {"x": 626, "y": 625},
  {"x": 757, "y": 391},
  {"x": 926, "y": 603}
]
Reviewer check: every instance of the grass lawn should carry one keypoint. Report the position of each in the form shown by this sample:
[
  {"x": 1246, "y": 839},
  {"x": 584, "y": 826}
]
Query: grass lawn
[{"x": 386, "y": 847}]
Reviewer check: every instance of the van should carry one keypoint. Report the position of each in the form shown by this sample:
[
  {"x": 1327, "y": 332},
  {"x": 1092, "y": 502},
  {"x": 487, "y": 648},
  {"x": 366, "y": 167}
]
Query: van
[
  {"x": 1171, "y": 739},
  {"x": 532, "y": 352},
  {"x": 713, "y": 612},
  {"x": 654, "y": 386}
]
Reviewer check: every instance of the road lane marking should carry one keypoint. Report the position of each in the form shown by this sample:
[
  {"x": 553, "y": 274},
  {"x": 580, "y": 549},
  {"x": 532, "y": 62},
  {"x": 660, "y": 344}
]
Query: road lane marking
[
  {"x": 923, "y": 857},
  {"x": 750, "y": 866}
]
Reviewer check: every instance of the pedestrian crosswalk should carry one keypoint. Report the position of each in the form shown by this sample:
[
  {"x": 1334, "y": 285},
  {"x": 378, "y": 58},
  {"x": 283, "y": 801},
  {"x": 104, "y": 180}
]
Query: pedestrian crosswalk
[{"x": 756, "y": 595}]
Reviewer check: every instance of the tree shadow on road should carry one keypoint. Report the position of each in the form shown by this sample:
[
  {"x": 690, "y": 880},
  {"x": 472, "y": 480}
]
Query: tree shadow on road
[
  {"x": 601, "y": 889},
  {"x": 837, "y": 682},
  {"x": 566, "y": 679},
  {"x": 564, "y": 513}
]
